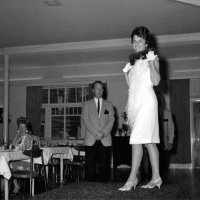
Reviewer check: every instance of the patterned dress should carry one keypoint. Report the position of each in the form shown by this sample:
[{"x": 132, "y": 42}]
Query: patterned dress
[{"x": 23, "y": 142}]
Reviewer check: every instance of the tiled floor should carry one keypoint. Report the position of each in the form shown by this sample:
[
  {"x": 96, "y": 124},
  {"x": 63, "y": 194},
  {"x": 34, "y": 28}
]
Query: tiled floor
[{"x": 188, "y": 179}]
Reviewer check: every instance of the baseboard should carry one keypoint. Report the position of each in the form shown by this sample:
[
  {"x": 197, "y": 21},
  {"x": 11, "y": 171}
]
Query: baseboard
[
  {"x": 171, "y": 166},
  {"x": 181, "y": 166}
]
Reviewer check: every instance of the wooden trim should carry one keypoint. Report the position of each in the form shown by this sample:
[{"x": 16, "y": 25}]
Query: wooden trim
[{"x": 163, "y": 40}]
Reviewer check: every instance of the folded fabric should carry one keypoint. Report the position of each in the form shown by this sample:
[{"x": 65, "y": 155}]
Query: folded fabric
[{"x": 4, "y": 168}]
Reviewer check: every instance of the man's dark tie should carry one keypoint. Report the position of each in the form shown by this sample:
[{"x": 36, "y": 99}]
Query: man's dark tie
[{"x": 98, "y": 106}]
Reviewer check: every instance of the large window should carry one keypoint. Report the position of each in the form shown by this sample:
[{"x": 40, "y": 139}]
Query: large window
[{"x": 62, "y": 110}]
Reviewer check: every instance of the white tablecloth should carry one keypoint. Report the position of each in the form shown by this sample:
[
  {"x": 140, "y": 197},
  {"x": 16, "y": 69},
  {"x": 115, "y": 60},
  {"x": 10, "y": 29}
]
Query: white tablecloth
[
  {"x": 6, "y": 157},
  {"x": 56, "y": 152},
  {"x": 48, "y": 152},
  {"x": 75, "y": 152}
]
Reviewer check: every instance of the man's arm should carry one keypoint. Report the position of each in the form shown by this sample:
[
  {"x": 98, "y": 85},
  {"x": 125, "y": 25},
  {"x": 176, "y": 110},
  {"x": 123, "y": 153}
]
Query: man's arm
[{"x": 108, "y": 127}]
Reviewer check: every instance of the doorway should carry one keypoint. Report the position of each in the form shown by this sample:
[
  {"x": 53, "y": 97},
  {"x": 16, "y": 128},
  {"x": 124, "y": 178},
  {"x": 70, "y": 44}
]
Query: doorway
[{"x": 195, "y": 132}]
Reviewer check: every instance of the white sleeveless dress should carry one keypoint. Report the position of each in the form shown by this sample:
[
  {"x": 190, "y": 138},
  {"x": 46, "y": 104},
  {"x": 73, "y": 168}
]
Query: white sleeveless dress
[{"x": 142, "y": 108}]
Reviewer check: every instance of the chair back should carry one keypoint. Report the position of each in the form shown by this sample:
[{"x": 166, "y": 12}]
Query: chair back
[
  {"x": 76, "y": 167},
  {"x": 35, "y": 152},
  {"x": 79, "y": 149}
]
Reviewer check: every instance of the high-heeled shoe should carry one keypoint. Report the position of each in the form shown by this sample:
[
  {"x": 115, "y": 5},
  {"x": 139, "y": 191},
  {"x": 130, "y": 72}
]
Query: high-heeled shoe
[
  {"x": 153, "y": 183},
  {"x": 129, "y": 185}
]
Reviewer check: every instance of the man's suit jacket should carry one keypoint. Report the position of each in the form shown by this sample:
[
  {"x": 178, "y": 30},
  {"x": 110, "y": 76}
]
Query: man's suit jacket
[{"x": 94, "y": 123}]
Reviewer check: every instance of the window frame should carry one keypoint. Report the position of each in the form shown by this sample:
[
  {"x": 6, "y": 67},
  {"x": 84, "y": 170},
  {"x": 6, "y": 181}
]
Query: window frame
[{"x": 48, "y": 115}]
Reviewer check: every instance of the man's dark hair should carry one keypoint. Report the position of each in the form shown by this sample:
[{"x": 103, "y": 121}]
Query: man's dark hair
[{"x": 99, "y": 82}]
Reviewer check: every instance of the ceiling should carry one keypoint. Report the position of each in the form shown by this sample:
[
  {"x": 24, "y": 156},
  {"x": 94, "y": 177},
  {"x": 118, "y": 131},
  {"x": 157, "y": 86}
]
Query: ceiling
[{"x": 80, "y": 24}]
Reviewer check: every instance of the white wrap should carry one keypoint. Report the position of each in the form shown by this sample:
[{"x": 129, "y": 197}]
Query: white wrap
[
  {"x": 127, "y": 67},
  {"x": 151, "y": 56}
]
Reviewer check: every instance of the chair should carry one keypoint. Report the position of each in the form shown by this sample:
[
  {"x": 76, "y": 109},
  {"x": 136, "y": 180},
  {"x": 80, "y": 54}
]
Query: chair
[
  {"x": 75, "y": 169},
  {"x": 54, "y": 163},
  {"x": 32, "y": 172}
]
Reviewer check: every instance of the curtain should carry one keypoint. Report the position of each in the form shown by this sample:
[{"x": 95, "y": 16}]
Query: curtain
[
  {"x": 180, "y": 107},
  {"x": 33, "y": 108}
]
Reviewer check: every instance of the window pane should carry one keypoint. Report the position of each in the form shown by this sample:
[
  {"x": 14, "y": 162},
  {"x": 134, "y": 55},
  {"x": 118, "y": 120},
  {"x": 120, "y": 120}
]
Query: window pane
[
  {"x": 53, "y": 111},
  {"x": 79, "y": 94},
  {"x": 57, "y": 126},
  {"x": 73, "y": 126},
  {"x": 75, "y": 110},
  {"x": 71, "y": 95},
  {"x": 57, "y": 95},
  {"x": 61, "y": 95},
  {"x": 71, "y": 111},
  {"x": 79, "y": 110},
  {"x": 42, "y": 121},
  {"x": 45, "y": 96},
  {"x": 88, "y": 93},
  {"x": 53, "y": 96},
  {"x": 43, "y": 115},
  {"x": 60, "y": 111}
]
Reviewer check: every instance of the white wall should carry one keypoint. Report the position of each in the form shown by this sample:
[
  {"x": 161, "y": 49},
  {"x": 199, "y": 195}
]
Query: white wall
[
  {"x": 110, "y": 72},
  {"x": 1, "y": 104},
  {"x": 116, "y": 93},
  {"x": 17, "y": 107}
]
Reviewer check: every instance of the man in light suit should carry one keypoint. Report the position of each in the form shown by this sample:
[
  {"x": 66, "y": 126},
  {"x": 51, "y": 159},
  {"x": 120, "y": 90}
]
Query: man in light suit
[{"x": 98, "y": 119}]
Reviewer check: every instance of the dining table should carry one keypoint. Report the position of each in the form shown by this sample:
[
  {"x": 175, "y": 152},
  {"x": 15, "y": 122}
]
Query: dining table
[
  {"x": 8, "y": 155},
  {"x": 61, "y": 152}
]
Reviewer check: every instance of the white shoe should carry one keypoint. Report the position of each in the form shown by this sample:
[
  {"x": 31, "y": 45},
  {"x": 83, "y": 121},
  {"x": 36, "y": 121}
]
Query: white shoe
[
  {"x": 153, "y": 183},
  {"x": 129, "y": 185}
]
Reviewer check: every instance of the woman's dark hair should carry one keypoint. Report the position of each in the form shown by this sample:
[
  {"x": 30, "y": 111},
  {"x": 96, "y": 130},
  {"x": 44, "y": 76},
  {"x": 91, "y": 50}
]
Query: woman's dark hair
[
  {"x": 99, "y": 82},
  {"x": 22, "y": 120},
  {"x": 141, "y": 31}
]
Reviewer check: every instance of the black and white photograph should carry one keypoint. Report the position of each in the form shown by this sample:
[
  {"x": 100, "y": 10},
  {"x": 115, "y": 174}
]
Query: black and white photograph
[{"x": 99, "y": 99}]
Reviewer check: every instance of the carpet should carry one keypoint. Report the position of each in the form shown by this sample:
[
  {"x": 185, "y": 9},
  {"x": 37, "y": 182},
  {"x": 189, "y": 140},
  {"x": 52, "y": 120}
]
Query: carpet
[{"x": 98, "y": 191}]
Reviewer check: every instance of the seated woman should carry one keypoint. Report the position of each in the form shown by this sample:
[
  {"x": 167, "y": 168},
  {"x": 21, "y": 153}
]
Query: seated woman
[{"x": 23, "y": 141}]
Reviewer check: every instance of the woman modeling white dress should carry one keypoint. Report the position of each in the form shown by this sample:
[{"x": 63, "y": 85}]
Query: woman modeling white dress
[
  {"x": 141, "y": 74},
  {"x": 142, "y": 105}
]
